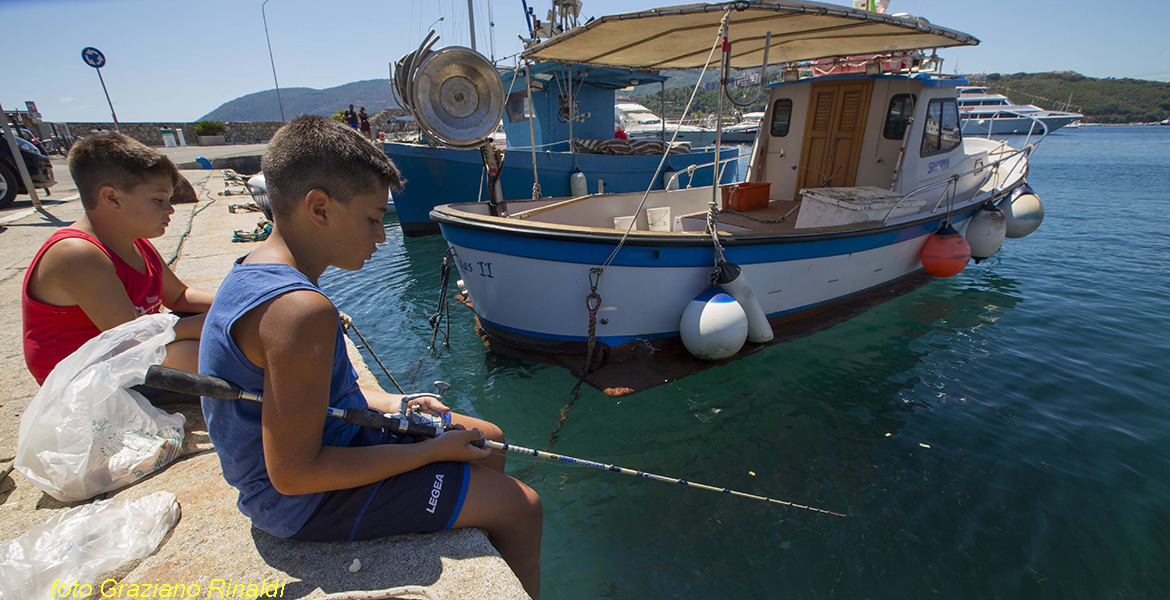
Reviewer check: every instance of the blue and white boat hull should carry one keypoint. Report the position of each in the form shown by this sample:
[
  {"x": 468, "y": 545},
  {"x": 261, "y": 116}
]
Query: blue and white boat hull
[{"x": 528, "y": 289}]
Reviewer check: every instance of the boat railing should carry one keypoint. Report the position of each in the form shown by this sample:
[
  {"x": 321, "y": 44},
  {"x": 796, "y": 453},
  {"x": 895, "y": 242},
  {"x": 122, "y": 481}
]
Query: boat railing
[
  {"x": 991, "y": 170},
  {"x": 690, "y": 169}
]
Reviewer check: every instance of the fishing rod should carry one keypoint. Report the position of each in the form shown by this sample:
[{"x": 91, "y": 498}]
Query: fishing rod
[{"x": 413, "y": 422}]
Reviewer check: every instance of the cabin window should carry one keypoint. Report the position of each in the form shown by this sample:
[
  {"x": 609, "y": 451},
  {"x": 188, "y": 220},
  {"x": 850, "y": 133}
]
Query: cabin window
[
  {"x": 898, "y": 116},
  {"x": 781, "y": 117},
  {"x": 941, "y": 133},
  {"x": 517, "y": 107}
]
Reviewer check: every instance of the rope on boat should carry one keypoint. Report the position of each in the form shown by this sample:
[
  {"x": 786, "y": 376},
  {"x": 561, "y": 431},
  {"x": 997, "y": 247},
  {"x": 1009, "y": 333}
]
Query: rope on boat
[
  {"x": 531, "y": 128},
  {"x": 780, "y": 219},
  {"x": 592, "y": 304},
  {"x": 442, "y": 312}
]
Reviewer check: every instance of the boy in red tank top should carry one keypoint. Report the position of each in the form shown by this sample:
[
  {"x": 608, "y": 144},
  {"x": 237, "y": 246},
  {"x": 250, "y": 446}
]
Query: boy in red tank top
[{"x": 101, "y": 271}]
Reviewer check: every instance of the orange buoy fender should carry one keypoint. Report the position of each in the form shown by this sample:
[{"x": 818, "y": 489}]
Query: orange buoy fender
[{"x": 945, "y": 253}]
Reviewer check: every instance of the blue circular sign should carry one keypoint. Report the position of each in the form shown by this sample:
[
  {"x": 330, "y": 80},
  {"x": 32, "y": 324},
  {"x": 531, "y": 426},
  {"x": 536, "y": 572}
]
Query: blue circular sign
[{"x": 93, "y": 57}]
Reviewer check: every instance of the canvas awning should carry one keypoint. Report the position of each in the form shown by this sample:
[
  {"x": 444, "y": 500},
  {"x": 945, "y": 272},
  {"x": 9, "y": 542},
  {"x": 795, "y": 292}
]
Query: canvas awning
[{"x": 681, "y": 37}]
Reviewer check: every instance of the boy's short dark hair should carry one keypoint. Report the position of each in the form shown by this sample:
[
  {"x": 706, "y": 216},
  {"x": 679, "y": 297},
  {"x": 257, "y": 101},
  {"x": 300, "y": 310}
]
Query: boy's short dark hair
[
  {"x": 117, "y": 160},
  {"x": 312, "y": 152}
]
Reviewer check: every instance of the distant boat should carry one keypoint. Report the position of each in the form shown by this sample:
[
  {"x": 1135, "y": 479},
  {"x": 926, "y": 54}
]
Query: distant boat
[
  {"x": 745, "y": 131},
  {"x": 640, "y": 123},
  {"x": 983, "y": 112}
]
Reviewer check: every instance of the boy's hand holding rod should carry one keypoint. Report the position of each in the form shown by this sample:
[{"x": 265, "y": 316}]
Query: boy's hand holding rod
[{"x": 186, "y": 382}]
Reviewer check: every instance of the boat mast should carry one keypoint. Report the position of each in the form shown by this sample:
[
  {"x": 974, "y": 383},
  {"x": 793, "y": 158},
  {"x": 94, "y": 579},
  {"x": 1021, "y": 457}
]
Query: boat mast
[
  {"x": 724, "y": 59},
  {"x": 471, "y": 22}
]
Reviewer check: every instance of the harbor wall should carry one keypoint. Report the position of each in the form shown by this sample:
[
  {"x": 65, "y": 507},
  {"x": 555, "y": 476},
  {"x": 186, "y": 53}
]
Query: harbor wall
[{"x": 238, "y": 132}]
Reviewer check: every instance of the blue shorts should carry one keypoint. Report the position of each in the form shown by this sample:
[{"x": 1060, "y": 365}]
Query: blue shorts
[{"x": 424, "y": 500}]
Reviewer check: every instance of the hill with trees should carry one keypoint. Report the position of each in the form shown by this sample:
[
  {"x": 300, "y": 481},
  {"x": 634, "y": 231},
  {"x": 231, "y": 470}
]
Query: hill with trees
[
  {"x": 374, "y": 94},
  {"x": 1107, "y": 100}
]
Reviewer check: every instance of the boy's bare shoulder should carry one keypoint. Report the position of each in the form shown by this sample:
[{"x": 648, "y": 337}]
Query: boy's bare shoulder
[
  {"x": 74, "y": 258},
  {"x": 68, "y": 267},
  {"x": 284, "y": 323},
  {"x": 298, "y": 313}
]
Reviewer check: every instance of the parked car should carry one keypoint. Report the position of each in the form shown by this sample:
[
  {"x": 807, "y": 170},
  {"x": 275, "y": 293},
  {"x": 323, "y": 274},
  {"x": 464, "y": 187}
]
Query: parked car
[{"x": 40, "y": 169}]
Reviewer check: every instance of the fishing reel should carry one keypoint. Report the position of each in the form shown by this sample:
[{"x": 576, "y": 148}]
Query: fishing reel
[{"x": 414, "y": 415}]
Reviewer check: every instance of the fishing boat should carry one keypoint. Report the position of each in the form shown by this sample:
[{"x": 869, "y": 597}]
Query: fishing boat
[
  {"x": 984, "y": 112},
  {"x": 857, "y": 185},
  {"x": 557, "y": 119}
]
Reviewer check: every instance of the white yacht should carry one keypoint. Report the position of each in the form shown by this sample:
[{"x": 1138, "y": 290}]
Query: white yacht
[
  {"x": 640, "y": 123},
  {"x": 983, "y": 112},
  {"x": 745, "y": 131}
]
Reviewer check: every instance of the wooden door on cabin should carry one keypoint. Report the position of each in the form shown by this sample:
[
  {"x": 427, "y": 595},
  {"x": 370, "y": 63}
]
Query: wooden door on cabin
[{"x": 833, "y": 134}]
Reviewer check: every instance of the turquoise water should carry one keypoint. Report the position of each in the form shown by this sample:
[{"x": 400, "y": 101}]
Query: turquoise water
[{"x": 1000, "y": 434}]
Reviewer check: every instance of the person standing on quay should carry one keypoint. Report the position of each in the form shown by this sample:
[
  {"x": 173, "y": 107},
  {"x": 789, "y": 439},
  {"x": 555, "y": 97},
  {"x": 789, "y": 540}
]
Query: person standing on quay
[
  {"x": 350, "y": 117},
  {"x": 365, "y": 122}
]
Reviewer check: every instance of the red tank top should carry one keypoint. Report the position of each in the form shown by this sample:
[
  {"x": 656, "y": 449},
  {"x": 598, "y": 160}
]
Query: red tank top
[{"x": 53, "y": 332}]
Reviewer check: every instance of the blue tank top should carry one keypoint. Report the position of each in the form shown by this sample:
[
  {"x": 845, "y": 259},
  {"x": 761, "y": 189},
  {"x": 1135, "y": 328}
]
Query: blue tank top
[{"x": 234, "y": 426}]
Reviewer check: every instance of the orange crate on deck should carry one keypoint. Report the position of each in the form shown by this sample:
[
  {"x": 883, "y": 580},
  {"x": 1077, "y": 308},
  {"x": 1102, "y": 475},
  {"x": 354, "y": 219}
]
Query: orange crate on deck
[{"x": 746, "y": 196}]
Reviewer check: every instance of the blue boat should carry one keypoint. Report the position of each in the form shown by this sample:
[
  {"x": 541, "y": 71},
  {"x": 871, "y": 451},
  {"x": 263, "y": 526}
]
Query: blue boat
[{"x": 437, "y": 176}]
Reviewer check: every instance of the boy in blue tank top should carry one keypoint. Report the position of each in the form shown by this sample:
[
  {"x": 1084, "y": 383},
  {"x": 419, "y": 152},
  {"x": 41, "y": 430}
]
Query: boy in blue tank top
[{"x": 272, "y": 331}]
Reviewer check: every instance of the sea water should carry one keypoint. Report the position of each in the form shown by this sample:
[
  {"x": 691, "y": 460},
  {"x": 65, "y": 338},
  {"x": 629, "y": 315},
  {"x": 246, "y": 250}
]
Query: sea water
[{"x": 1004, "y": 433}]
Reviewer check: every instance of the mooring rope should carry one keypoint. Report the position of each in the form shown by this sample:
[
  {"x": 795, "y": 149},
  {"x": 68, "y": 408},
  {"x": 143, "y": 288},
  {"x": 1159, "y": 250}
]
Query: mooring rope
[{"x": 347, "y": 323}]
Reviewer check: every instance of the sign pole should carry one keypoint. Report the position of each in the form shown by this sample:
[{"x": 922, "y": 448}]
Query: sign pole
[
  {"x": 94, "y": 58},
  {"x": 117, "y": 127},
  {"x": 32, "y": 190}
]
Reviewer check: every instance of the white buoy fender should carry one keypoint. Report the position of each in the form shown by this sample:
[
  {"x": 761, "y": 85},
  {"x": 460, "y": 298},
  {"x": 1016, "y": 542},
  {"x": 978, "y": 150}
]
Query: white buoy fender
[
  {"x": 669, "y": 181},
  {"x": 577, "y": 185},
  {"x": 986, "y": 231},
  {"x": 258, "y": 188},
  {"x": 713, "y": 326},
  {"x": 734, "y": 282},
  {"x": 1023, "y": 211}
]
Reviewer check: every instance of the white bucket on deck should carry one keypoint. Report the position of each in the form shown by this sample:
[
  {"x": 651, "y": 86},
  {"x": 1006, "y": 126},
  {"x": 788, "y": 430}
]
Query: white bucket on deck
[
  {"x": 623, "y": 223},
  {"x": 659, "y": 218}
]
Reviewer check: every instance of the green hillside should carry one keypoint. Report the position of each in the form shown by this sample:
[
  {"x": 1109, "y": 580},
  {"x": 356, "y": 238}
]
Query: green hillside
[
  {"x": 374, "y": 94},
  {"x": 1100, "y": 100}
]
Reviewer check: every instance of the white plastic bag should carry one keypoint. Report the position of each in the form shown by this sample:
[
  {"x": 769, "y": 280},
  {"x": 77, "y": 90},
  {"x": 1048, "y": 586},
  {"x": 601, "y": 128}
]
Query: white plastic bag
[
  {"x": 73, "y": 548},
  {"x": 85, "y": 432}
]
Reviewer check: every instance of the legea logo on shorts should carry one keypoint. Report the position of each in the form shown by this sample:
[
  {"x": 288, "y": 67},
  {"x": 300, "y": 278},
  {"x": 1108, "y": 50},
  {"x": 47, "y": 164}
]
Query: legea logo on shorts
[{"x": 435, "y": 491}]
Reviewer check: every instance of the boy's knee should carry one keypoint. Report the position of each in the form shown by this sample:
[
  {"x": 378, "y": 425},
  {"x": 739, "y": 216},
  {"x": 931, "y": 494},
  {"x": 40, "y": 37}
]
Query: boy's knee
[
  {"x": 492, "y": 432},
  {"x": 532, "y": 501}
]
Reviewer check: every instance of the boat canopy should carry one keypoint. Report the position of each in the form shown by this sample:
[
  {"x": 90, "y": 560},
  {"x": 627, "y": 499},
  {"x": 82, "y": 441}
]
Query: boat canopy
[
  {"x": 681, "y": 37},
  {"x": 597, "y": 76}
]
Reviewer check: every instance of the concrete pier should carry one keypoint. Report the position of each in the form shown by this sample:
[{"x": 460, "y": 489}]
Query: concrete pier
[{"x": 213, "y": 540}]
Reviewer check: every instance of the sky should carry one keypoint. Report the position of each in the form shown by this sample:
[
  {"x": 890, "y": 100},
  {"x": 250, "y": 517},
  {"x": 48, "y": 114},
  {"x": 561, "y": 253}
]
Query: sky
[{"x": 176, "y": 60}]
